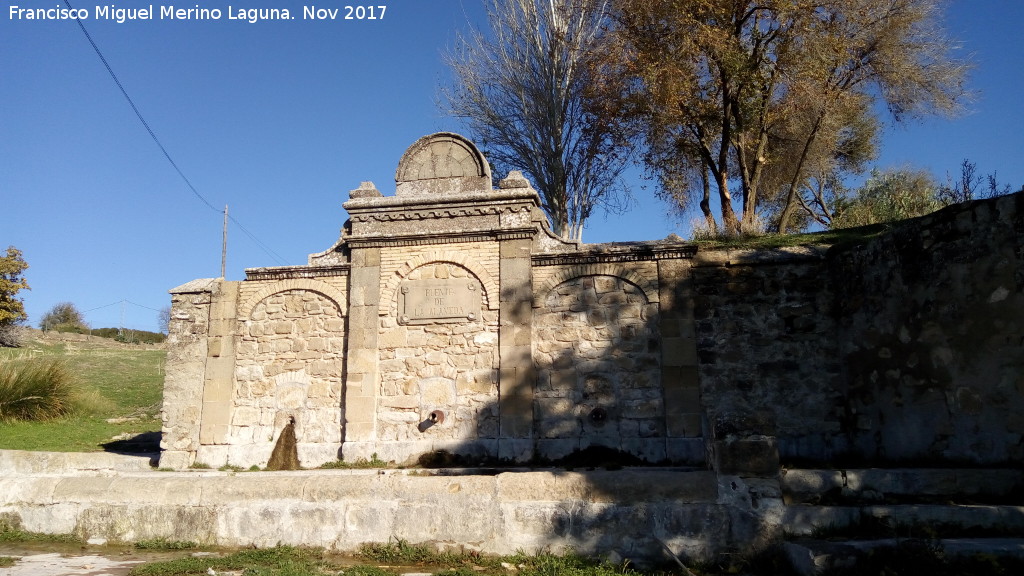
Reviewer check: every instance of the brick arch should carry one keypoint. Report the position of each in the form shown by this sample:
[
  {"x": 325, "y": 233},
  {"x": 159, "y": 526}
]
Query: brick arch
[
  {"x": 490, "y": 285},
  {"x": 324, "y": 289},
  {"x": 649, "y": 287}
]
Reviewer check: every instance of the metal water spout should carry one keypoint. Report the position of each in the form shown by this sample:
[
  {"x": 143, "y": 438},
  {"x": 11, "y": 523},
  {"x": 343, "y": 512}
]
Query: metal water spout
[{"x": 435, "y": 417}]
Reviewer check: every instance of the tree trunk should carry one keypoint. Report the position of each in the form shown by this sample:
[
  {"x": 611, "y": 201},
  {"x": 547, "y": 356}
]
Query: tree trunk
[
  {"x": 729, "y": 221},
  {"x": 705, "y": 204},
  {"x": 794, "y": 184}
]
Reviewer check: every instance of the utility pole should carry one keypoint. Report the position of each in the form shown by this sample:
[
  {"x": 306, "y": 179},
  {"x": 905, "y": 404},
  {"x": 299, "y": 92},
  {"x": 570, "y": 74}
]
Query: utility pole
[{"x": 224, "y": 245}]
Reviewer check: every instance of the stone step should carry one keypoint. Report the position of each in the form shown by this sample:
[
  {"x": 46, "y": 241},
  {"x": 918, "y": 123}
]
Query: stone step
[
  {"x": 25, "y": 462},
  {"x": 895, "y": 485},
  {"x": 814, "y": 557},
  {"x": 807, "y": 520}
]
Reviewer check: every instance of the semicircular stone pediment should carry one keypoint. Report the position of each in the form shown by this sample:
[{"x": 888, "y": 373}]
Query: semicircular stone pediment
[{"x": 442, "y": 163}]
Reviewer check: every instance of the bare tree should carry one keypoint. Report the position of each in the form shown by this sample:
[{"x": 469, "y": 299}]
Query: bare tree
[
  {"x": 963, "y": 190},
  {"x": 969, "y": 186},
  {"x": 164, "y": 320},
  {"x": 757, "y": 93},
  {"x": 523, "y": 90}
]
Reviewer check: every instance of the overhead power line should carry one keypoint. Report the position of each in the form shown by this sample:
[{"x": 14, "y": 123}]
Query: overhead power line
[
  {"x": 166, "y": 154},
  {"x": 119, "y": 302}
]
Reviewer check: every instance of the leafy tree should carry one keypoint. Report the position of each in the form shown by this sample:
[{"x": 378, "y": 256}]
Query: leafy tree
[
  {"x": 887, "y": 196},
  {"x": 523, "y": 90},
  {"x": 12, "y": 308},
  {"x": 761, "y": 97},
  {"x": 64, "y": 317}
]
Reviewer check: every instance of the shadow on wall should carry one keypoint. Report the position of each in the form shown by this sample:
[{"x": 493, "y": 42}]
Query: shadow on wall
[
  {"x": 604, "y": 477},
  {"x": 898, "y": 349},
  {"x": 594, "y": 399}
]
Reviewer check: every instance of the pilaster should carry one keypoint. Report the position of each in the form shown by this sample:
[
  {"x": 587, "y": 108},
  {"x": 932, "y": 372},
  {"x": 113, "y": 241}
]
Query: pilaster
[
  {"x": 517, "y": 374},
  {"x": 218, "y": 382},
  {"x": 683, "y": 411},
  {"x": 363, "y": 349}
]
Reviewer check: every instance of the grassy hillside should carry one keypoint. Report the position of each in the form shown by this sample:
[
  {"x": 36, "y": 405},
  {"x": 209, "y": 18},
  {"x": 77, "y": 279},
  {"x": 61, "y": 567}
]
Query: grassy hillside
[{"x": 122, "y": 386}]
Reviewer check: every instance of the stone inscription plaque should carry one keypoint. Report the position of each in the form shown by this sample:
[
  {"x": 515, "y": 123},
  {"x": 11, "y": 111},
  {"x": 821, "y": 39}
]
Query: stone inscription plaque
[{"x": 431, "y": 301}]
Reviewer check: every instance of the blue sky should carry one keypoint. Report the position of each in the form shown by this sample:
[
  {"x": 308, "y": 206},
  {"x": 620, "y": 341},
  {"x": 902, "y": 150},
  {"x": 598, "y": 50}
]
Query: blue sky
[{"x": 279, "y": 120}]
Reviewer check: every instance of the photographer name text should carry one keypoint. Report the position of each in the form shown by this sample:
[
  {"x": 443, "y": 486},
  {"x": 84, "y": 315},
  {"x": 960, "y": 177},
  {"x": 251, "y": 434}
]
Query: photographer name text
[{"x": 115, "y": 13}]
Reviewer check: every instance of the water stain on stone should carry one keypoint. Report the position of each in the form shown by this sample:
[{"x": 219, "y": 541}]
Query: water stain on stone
[{"x": 285, "y": 455}]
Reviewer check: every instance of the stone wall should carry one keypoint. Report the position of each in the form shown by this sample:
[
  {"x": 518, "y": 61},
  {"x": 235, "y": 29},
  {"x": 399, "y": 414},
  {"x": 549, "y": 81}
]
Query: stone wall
[
  {"x": 766, "y": 346},
  {"x": 290, "y": 357},
  {"x": 906, "y": 348},
  {"x": 187, "y": 348},
  {"x": 437, "y": 366},
  {"x": 447, "y": 317},
  {"x": 597, "y": 351},
  {"x": 931, "y": 337},
  {"x": 244, "y": 359}
]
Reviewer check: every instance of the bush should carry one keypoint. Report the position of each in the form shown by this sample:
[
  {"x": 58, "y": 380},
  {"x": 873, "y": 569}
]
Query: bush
[
  {"x": 130, "y": 336},
  {"x": 68, "y": 328},
  {"x": 36, "y": 389},
  {"x": 10, "y": 336},
  {"x": 64, "y": 317}
]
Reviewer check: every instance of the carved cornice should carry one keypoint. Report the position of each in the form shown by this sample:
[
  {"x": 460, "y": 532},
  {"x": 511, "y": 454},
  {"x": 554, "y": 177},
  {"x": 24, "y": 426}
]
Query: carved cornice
[
  {"x": 439, "y": 238},
  {"x": 290, "y": 272},
  {"x": 456, "y": 199},
  {"x": 630, "y": 253},
  {"x": 436, "y": 212}
]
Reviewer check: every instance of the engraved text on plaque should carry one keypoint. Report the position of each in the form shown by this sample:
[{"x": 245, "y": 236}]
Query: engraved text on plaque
[{"x": 430, "y": 301}]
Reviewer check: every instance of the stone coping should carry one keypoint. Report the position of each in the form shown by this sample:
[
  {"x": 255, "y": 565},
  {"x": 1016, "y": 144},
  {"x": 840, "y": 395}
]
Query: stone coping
[
  {"x": 26, "y": 462},
  {"x": 447, "y": 200},
  {"x": 197, "y": 285},
  {"x": 752, "y": 256}
]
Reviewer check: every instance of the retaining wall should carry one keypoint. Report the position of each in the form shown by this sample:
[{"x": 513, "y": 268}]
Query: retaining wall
[
  {"x": 624, "y": 513},
  {"x": 907, "y": 348}
]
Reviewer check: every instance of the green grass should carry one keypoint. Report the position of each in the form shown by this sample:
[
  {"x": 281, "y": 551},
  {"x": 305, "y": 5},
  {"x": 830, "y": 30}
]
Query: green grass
[
  {"x": 768, "y": 241},
  {"x": 279, "y": 561},
  {"x": 373, "y": 462},
  {"x": 6, "y": 561},
  {"x": 119, "y": 384},
  {"x": 381, "y": 560},
  {"x": 165, "y": 544}
]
